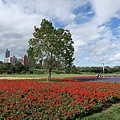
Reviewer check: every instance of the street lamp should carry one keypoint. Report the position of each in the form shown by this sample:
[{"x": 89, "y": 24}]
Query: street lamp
[{"x": 103, "y": 70}]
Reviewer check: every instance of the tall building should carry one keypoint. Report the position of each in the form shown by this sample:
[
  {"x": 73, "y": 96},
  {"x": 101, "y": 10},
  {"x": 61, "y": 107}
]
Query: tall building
[
  {"x": 11, "y": 60},
  {"x": 8, "y": 58},
  {"x": 24, "y": 60},
  {"x": 7, "y": 55}
]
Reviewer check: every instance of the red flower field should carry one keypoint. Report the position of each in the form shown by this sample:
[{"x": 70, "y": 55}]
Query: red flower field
[{"x": 31, "y": 100}]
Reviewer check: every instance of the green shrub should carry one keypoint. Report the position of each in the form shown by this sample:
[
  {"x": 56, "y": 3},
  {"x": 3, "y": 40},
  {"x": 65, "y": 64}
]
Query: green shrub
[
  {"x": 23, "y": 72},
  {"x": 58, "y": 71},
  {"x": 39, "y": 71}
]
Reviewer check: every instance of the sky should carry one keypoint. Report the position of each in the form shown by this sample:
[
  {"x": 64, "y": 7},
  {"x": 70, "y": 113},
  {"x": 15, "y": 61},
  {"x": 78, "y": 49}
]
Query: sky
[{"x": 94, "y": 25}]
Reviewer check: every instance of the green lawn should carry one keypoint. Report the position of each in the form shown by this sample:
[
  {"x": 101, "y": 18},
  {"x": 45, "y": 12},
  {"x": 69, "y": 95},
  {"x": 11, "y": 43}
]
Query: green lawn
[
  {"x": 112, "y": 113},
  {"x": 37, "y": 76},
  {"x": 14, "y": 76}
]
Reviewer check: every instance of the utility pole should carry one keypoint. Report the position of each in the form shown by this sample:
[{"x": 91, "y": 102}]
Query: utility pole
[{"x": 103, "y": 70}]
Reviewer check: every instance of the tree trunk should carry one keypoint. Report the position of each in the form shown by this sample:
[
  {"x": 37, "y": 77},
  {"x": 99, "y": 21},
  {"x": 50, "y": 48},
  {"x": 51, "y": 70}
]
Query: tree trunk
[{"x": 49, "y": 74}]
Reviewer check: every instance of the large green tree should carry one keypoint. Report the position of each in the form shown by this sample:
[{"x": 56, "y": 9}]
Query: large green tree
[
  {"x": 51, "y": 45},
  {"x": 19, "y": 67}
]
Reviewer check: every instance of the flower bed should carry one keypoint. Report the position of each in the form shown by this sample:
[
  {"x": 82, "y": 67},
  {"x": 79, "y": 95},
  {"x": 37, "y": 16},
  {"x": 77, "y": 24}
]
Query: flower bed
[
  {"x": 23, "y": 99},
  {"x": 93, "y": 78}
]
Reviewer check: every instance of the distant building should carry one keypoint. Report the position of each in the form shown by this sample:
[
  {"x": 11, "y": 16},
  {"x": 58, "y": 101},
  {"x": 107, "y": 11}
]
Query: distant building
[
  {"x": 7, "y": 55},
  {"x": 24, "y": 60},
  {"x": 11, "y": 60},
  {"x": 7, "y": 60}
]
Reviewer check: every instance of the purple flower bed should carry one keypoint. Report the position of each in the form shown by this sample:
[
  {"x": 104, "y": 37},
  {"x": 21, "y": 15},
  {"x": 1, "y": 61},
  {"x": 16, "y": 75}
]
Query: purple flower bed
[{"x": 109, "y": 79}]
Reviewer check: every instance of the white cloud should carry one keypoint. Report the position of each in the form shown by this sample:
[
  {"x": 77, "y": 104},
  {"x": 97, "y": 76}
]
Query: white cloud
[
  {"x": 116, "y": 57},
  {"x": 100, "y": 44},
  {"x": 93, "y": 39},
  {"x": 104, "y": 10},
  {"x": 17, "y": 19}
]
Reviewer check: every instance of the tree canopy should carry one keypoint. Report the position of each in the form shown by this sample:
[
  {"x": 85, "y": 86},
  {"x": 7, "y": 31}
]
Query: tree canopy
[{"x": 51, "y": 45}]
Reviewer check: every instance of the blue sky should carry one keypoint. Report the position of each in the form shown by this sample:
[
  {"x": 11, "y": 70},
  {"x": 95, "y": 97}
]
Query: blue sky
[{"x": 94, "y": 25}]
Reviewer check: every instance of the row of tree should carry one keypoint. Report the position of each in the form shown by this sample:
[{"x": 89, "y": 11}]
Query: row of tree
[
  {"x": 8, "y": 68},
  {"x": 107, "y": 69},
  {"x": 18, "y": 68}
]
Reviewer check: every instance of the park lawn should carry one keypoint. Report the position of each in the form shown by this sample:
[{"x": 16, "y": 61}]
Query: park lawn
[
  {"x": 35, "y": 76},
  {"x": 39, "y": 76},
  {"x": 112, "y": 113}
]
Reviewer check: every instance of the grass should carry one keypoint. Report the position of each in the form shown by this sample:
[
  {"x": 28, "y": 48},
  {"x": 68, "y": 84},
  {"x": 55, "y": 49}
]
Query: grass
[
  {"x": 112, "y": 113},
  {"x": 45, "y": 75},
  {"x": 18, "y": 76},
  {"x": 38, "y": 76}
]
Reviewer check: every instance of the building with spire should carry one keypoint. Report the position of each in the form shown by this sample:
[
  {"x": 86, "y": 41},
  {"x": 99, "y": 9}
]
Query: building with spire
[
  {"x": 7, "y": 55},
  {"x": 8, "y": 58}
]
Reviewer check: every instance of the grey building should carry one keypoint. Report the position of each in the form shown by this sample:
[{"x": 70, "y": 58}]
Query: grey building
[
  {"x": 11, "y": 60},
  {"x": 7, "y": 53}
]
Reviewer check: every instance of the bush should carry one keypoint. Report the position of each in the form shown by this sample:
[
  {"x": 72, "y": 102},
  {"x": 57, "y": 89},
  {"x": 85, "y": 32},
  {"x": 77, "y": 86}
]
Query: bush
[
  {"x": 29, "y": 72},
  {"x": 39, "y": 71},
  {"x": 58, "y": 72},
  {"x": 23, "y": 72}
]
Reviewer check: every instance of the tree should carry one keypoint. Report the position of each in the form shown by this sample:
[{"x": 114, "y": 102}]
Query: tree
[
  {"x": 6, "y": 68},
  {"x": 31, "y": 59},
  {"x": 51, "y": 45},
  {"x": 19, "y": 67},
  {"x": 74, "y": 69}
]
